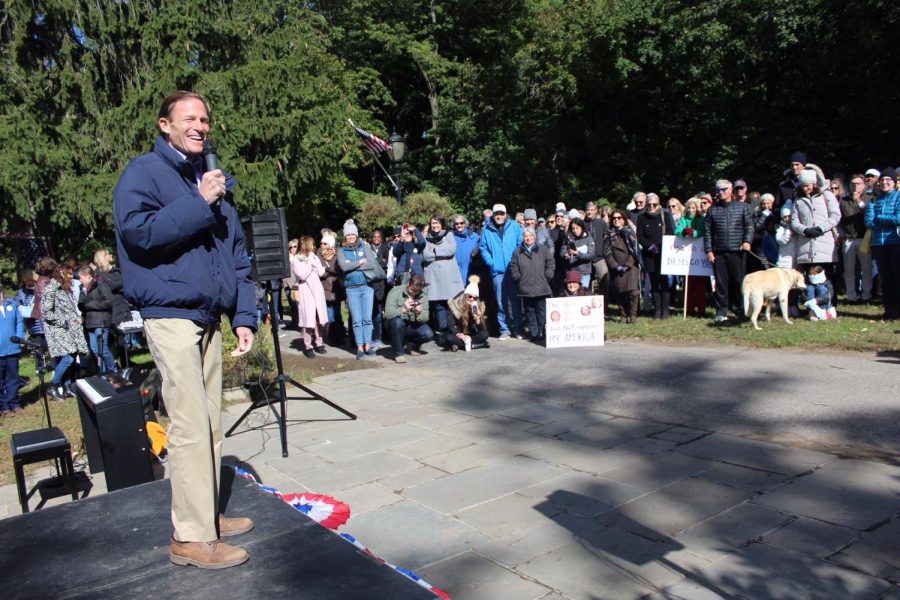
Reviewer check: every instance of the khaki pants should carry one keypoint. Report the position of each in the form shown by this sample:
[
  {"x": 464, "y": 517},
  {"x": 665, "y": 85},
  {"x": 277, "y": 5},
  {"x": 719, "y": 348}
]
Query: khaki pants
[{"x": 189, "y": 358}]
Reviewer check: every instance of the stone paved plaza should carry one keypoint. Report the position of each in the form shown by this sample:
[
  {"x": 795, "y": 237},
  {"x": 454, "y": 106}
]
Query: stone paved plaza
[{"x": 628, "y": 471}]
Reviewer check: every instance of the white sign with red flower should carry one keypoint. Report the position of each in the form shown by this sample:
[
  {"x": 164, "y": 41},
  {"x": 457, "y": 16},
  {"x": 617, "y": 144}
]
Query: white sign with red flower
[{"x": 575, "y": 321}]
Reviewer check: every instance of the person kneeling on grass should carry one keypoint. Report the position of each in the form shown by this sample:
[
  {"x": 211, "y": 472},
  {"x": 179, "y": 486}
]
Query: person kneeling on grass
[
  {"x": 406, "y": 311},
  {"x": 466, "y": 323}
]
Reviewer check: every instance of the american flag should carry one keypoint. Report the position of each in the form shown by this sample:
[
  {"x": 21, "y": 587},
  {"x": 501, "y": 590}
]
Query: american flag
[{"x": 372, "y": 142}]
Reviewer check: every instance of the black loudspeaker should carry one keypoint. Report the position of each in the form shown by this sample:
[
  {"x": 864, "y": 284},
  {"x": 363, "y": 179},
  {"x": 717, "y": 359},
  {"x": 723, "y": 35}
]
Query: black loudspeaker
[{"x": 267, "y": 243}]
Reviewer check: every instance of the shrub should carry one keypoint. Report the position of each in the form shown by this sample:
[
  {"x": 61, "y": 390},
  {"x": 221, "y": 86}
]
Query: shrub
[{"x": 257, "y": 364}]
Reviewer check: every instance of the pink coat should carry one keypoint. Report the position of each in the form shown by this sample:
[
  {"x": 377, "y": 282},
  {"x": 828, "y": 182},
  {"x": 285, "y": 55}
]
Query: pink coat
[{"x": 311, "y": 303}]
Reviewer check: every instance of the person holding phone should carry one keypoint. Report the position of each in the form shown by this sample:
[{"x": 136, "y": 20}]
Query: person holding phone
[
  {"x": 406, "y": 311},
  {"x": 578, "y": 251},
  {"x": 408, "y": 252}
]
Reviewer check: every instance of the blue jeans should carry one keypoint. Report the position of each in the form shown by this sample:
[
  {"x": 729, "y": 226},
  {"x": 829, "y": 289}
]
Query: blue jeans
[
  {"x": 819, "y": 293},
  {"x": 507, "y": 293},
  {"x": 360, "y": 299},
  {"x": 377, "y": 320},
  {"x": 98, "y": 340},
  {"x": 403, "y": 332},
  {"x": 439, "y": 310},
  {"x": 536, "y": 314},
  {"x": 276, "y": 296},
  {"x": 9, "y": 382},
  {"x": 60, "y": 371}
]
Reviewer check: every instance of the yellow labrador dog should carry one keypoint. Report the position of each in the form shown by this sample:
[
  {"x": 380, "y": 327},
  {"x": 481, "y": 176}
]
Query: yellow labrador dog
[{"x": 762, "y": 287}]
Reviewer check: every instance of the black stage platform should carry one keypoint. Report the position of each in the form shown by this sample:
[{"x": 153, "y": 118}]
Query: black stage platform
[{"x": 117, "y": 546}]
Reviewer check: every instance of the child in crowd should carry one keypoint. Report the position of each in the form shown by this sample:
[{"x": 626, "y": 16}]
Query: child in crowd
[
  {"x": 819, "y": 294},
  {"x": 787, "y": 252}
]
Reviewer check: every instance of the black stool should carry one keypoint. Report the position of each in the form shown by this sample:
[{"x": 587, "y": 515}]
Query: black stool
[{"x": 38, "y": 445}]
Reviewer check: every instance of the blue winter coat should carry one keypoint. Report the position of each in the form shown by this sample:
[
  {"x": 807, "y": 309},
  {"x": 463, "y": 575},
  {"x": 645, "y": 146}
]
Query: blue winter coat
[
  {"x": 180, "y": 258},
  {"x": 497, "y": 246},
  {"x": 409, "y": 256},
  {"x": 11, "y": 324},
  {"x": 883, "y": 218},
  {"x": 466, "y": 244}
]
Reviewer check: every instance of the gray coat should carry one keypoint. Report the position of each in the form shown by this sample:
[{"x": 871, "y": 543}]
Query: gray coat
[
  {"x": 822, "y": 210},
  {"x": 533, "y": 271},
  {"x": 62, "y": 325},
  {"x": 441, "y": 269}
]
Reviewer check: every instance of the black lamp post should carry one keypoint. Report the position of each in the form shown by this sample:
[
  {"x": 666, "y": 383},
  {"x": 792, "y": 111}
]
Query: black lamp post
[{"x": 397, "y": 151}]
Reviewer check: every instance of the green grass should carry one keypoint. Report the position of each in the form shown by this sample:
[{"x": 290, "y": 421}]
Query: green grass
[{"x": 857, "y": 328}]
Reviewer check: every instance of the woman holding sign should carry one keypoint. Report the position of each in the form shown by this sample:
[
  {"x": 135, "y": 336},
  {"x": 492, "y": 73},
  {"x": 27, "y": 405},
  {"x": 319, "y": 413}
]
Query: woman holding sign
[
  {"x": 620, "y": 250},
  {"x": 690, "y": 226}
]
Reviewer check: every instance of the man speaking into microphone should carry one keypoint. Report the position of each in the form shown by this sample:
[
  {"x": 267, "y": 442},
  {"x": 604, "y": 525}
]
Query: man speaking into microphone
[{"x": 184, "y": 265}]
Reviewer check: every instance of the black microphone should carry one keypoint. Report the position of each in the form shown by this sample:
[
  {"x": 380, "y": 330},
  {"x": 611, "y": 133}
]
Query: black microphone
[
  {"x": 210, "y": 160},
  {"x": 17, "y": 340}
]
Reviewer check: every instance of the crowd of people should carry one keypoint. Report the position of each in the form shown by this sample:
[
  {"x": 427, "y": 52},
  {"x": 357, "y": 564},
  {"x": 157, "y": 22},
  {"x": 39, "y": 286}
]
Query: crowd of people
[
  {"x": 455, "y": 282},
  {"x": 70, "y": 310}
]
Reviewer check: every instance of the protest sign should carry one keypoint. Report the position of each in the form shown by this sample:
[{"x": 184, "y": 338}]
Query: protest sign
[
  {"x": 684, "y": 256},
  {"x": 575, "y": 321}
]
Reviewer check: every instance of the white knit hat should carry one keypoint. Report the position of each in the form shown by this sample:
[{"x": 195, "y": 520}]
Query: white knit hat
[
  {"x": 329, "y": 239},
  {"x": 472, "y": 288},
  {"x": 808, "y": 176},
  {"x": 350, "y": 228}
]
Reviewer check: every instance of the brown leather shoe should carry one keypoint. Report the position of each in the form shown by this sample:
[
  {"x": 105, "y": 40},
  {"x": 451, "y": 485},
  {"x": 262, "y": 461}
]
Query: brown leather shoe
[
  {"x": 206, "y": 555},
  {"x": 229, "y": 526}
]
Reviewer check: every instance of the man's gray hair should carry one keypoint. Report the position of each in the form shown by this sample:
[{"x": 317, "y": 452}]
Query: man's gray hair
[
  {"x": 457, "y": 217},
  {"x": 722, "y": 183}
]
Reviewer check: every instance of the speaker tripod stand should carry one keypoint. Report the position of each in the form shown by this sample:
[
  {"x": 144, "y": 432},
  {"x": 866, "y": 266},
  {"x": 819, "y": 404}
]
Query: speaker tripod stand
[{"x": 282, "y": 380}]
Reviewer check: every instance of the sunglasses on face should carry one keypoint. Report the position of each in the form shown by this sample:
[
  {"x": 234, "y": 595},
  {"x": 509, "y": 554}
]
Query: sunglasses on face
[
  {"x": 653, "y": 204},
  {"x": 720, "y": 190},
  {"x": 460, "y": 223},
  {"x": 738, "y": 187},
  {"x": 618, "y": 218}
]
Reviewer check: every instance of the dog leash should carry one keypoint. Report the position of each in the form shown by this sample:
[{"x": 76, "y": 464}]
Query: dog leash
[{"x": 762, "y": 259}]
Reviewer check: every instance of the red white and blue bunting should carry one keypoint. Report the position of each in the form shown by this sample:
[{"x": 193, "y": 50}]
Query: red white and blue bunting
[{"x": 332, "y": 513}]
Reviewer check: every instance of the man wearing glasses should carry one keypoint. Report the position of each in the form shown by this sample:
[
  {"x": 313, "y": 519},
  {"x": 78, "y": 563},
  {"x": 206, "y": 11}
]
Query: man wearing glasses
[
  {"x": 740, "y": 191},
  {"x": 705, "y": 202},
  {"x": 727, "y": 237},
  {"x": 871, "y": 180},
  {"x": 853, "y": 211}
]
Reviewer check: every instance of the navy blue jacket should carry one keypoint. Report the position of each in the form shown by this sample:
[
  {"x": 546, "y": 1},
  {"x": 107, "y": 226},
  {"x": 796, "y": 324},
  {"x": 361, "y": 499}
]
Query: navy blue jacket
[{"x": 180, "y": 258}]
